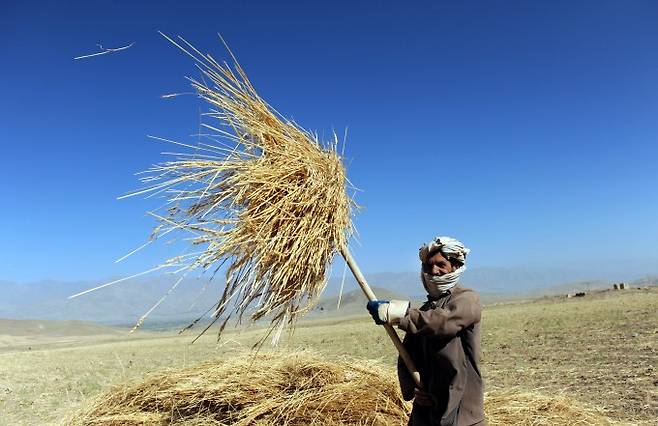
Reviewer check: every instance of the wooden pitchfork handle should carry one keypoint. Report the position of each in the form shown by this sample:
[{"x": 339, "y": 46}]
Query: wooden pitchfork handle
[{"x": 389, "y": 328}]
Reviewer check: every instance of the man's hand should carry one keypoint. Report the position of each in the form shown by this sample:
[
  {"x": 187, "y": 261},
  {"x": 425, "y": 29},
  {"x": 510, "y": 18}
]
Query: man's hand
[
  {"x": 423, "y": 398},
  {"x": 377, "y": 309},
  {"x": 388, "y": 312}
]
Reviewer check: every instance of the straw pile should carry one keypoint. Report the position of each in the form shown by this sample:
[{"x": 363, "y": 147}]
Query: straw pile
[
  {"x": 300, "y": 389},
  {"x": 269, "y": 389},
  {"x": 515, "y": 407},
  {"x": 260, "y": 195}
]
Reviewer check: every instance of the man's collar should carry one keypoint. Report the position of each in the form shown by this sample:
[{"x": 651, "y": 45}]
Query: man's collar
[{"x": 441, "y": 296}]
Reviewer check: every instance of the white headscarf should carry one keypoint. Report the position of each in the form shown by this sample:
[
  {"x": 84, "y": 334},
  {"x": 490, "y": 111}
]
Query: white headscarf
[{"x": 451, "y": 249}]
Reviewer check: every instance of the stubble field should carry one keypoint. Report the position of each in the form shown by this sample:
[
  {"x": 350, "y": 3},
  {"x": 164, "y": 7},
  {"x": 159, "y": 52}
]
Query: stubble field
[{"x": 601, "y": 349}]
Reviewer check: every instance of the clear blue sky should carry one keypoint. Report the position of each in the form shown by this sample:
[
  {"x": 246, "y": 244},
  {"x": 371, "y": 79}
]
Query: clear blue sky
[{"x": 527, "y": 129}]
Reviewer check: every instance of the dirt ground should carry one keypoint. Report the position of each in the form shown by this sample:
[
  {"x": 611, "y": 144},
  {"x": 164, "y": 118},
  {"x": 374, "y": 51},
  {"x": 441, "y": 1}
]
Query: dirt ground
[{"x": 601, "y": 349}]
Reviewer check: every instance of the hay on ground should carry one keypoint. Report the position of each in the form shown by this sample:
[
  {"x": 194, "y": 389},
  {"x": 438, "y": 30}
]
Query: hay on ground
[
  {"x": 516, "y": 407},
  {"x": 268, "y": 389},
  {"x": 301, "y": 389}
]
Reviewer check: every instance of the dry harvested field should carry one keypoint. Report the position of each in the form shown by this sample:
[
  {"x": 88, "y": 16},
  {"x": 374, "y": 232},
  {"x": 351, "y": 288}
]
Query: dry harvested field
[{"x": 601, "y": 349}]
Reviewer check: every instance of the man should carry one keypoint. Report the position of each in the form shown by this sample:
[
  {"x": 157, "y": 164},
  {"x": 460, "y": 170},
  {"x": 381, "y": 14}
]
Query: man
[{"x": 442, "y": 338}]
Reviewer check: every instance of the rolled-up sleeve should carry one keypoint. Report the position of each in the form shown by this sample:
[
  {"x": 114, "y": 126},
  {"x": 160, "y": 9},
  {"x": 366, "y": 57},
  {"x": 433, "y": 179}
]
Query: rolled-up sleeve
[{"x": 461, "y": 311}]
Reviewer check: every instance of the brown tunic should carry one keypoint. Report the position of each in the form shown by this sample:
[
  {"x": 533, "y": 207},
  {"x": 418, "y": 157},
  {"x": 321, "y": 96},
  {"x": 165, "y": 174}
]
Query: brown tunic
[{"x": 443, "y": 339}]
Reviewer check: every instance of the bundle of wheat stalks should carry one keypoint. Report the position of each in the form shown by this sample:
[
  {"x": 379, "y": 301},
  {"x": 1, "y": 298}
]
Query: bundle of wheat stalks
[
  {"x": 261, "y": 195},
  {"x": 300, "y": 389}
]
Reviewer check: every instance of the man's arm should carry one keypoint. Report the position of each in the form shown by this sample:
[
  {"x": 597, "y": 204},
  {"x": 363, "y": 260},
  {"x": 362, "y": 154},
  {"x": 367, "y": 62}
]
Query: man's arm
[{"x": 462, "y": 311}]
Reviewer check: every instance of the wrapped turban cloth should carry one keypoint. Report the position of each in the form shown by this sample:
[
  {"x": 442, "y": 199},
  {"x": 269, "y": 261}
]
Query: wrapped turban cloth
[{"x": 451, "y": 249}]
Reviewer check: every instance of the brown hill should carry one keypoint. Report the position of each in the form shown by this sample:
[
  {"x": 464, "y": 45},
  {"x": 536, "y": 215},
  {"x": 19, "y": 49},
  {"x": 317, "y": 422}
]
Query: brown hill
[
  {"x": 32, "y": 334},
  {"x": 11, "y": 327}
]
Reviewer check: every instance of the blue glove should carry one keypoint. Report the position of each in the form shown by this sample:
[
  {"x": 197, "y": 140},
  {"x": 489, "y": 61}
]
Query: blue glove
[{"x": 377, "y": 310}]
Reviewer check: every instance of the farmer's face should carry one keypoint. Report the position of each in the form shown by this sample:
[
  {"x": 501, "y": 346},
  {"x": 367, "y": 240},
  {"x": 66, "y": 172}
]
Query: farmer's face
[{"x": 438, "y": 265}]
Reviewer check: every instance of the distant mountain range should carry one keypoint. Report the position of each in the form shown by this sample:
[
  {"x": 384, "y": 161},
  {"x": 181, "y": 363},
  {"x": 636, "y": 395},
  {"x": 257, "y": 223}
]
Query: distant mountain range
[
  {"x": 121, "y": 304},
  {"x": 517, "y": 281},
  {"x": 124, "y": 303}
]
